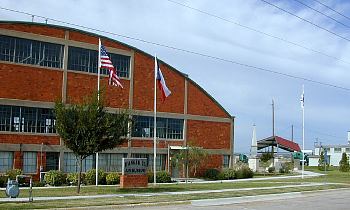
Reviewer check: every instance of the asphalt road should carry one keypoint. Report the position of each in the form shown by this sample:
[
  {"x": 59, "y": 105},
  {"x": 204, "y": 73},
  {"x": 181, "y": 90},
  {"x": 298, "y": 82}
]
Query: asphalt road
[{"x": 336, "y": 199}]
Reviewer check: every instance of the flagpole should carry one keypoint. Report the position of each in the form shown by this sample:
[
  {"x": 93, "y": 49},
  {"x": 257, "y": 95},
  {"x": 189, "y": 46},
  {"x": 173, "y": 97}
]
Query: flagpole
[
  {"x": 303, "y": 162},
  {"x": 155, "y": 123},
  {"x": 98, "y": 95}
]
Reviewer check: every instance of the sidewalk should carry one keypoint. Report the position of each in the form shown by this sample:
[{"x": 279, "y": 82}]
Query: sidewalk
[{"x": 2, "y": 200}]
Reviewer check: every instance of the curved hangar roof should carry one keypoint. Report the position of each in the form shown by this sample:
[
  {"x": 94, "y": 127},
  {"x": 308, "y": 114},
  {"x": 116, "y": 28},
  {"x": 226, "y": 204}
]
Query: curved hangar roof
[{"x": 35, "y": 25}]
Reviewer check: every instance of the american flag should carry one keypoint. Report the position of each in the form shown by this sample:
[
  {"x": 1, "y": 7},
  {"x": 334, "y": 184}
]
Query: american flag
[{"x": 106, "y": 63}]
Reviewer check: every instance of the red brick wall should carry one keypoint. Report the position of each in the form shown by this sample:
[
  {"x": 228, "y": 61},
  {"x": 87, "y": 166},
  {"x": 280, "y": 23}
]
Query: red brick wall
[
  {"x": 149, "y": 143},
  {"x": 133, "y": 181},
  {"x": 30, "y": 83},
  {"x": 29, "y": 139},
  {"x": 213, "y": 161},
  {"x": 200, "y": 104},
  {"x": 34, "y": 29},
  {"x": 144, "y": 86},
  {"x": 79, "y": 86},
  {"x": 209, "y": 135}
]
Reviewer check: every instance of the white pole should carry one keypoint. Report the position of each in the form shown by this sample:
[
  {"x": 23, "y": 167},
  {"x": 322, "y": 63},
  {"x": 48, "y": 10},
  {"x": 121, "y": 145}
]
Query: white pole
[
  {"x": 155, "y": 123},
  {"x": 98, "y": 95},
  {"x": 303, "y": 163}
]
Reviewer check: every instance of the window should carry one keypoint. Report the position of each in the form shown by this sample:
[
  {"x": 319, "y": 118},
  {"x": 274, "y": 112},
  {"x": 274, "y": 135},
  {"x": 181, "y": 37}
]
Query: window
[
  {"x": 5, "y": 118},
  {"x": 80, "y": 59},
  {"x": 70, "y": 163},
  {"x": 160, "y": 160},
  {"x": 29, "y": 162},
  {"x": 27, "y": 119},
  {"x": 337, "y": 150},
  {"x": 32, "y": 52},
  {"x": 111, "y": 162},
  {"x": 166, "y": 127},
  {"x": 347, "y": 150},
  {"x": 226, "y": 161},
  {"x": 6, "y": 161},
  {"x": 52, "y": 160}
]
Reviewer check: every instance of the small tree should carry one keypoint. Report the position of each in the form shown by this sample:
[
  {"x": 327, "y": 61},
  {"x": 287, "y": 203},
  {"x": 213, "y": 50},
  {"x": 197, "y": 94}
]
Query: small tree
[
  {"x": 194, "y": 155},
  {"x": 344, "y": 163},
  {"x": 88, "y": 128},
  {"x": 321, "y": 162},
  {"x": 266, "y": 160}
]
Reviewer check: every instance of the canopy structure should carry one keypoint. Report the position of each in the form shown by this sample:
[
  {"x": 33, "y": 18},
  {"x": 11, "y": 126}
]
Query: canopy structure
[{"x": 279, "y": 142}]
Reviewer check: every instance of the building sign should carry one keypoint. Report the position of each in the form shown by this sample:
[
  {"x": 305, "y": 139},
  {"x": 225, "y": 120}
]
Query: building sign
[{"x": 134, "y": 166}]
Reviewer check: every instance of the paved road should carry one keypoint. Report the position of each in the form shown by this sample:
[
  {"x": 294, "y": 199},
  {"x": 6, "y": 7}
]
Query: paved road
[{"x": 335, "y": 200}]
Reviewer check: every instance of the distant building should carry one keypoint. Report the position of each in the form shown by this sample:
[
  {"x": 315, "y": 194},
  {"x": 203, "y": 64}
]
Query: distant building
[{"x": 334, "y": 153}]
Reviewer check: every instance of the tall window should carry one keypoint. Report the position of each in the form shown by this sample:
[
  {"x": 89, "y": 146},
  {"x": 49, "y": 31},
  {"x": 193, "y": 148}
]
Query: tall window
[
  {"x": 226, "y": 161},
  {"x": 80, "y": 59},
  {"x": 27, "y": 119},
  {"x": 52, "y": 160},
  {"x": 70, "y": 163},
  {"x": 337, "y": 150},
  {"x": 166, "y": 127},
  {"x": 29, "y": 162},
  {"x": 111, "y": 162},
  {"x": 160, "y": 160},
  {"x": 347, "y": 150},
  {"x": 32, "y": 52},
  {"x": 6, "y": 161}
]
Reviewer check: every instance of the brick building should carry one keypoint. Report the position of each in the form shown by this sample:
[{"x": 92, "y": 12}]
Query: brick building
[{"x": 41, "y": 63}]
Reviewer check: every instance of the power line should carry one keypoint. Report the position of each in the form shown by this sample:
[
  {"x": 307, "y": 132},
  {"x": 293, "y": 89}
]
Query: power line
[
  {"x": 305, "y": 20},
  {"x": 335, "y": 20},
  {"x": 258, "y": 31},
  {"x": 247, "y": 66},
  {"x": 339, "y": 13}
]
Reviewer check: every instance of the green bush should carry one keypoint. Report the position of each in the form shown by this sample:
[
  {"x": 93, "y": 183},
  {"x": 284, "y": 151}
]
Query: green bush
[
  {"x": 344, "y": 163},
  {"x": 112, "y": 179},
  {"x": 72, "y": 178},
  {"x": 271, "y": 169},
  {"x": 13, "y": 173},
  {"x": 38, "y": 184},
  {"x": 3, "y": 181},
  {"x": 227, "y": 174},
  {"x": 90, "y": 177},
  {"x": 286, "y": 168},
  {"x": 212, "y": 173},
  {"x": 244, "y": 172},
  {"x": 55, "y": 178},
  {"x": 161, "y": 177}
]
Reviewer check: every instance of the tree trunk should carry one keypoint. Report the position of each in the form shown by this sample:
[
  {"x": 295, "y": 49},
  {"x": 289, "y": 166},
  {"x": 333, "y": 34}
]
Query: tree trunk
[
  {"x": 195, "y": 170},
  {"x": 80, "y": 162}
]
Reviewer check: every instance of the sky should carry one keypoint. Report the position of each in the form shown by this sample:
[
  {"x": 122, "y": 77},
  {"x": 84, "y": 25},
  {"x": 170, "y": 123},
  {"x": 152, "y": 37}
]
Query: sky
[{"x": 244, "y": 92}]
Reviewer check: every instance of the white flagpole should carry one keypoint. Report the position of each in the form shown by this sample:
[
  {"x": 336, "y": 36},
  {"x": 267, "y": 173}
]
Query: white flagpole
[
  {"x": 303, "y": 163},
  {"x": 155, "y": 123},
  {"x": 98, "y": 95}
]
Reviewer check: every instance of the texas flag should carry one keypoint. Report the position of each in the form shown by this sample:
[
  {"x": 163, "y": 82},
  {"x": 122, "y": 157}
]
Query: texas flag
[{"x": 161, "y": 82}]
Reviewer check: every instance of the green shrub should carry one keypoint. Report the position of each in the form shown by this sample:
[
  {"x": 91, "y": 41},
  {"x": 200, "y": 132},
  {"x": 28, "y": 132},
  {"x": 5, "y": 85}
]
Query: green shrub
[
  {"x": 271, "y": 169},
  {"x": 38, "y": 184},
  {"x": 227, "y": 174},
  {"x": 344, "y": 163},
  {"x": 55, "y": 178},
  {"x": 286, "y": 167},
  {"x": 112, "y": 178},
  {"x": 212, "y": 173},
  {"x": 161, "y": 177},
  {"x": 3, "y": 181},
  {"x": 72, "y": 178},
  {"x": 90, "y": 177},
  {"x": 244, "y": 172},
  {"x": 13, "y": 173}
]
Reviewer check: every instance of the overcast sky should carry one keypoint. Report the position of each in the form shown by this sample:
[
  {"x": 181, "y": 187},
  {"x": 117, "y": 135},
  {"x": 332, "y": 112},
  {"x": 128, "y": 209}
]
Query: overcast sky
[{"x": 245, "y": 93}]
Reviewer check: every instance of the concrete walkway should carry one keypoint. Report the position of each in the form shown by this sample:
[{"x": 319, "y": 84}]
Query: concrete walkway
[{"x": 157, "y": 194}]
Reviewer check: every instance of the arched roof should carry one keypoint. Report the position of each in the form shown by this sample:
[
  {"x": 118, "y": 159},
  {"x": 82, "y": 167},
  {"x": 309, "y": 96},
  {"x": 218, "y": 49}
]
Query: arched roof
[{"x": 121, "y": 43}]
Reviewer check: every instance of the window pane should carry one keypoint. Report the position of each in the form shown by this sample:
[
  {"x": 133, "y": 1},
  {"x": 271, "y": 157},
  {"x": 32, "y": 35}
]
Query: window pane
[
  {"x": 46, "y": 121},
  {"x": 52, "y": 160},
  {"x": 175, "y": 129},
  {"x": 29, "y": 162},
  {"x": 6, "y": 161},
  {"x": 5, "y": 118},
  {"x": 32, "y": 52},
  {"x": 15, "y": 121},
  {"x": 29, "y": 116}
]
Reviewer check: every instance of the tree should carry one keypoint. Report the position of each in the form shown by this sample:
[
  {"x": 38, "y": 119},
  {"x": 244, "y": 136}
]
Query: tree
[
  {"x": 266, "y": 160},
  {"x": 321, "y": 162},
  {"x": 194, "y": 155},
  {"x": 344, "y": 163},
  {"x": 88, "y": 128}
]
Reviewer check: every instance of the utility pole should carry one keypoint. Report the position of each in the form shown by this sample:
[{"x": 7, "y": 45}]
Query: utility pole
[
  {"x": 273, "y": 118},
  {"x": 292, "y": 133}
]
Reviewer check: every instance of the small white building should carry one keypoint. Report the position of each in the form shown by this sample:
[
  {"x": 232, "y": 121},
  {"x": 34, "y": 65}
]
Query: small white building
[{"x": 334, "y": 153}]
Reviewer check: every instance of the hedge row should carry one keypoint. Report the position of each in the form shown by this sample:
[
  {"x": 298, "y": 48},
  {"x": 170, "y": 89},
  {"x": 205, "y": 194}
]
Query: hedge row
[{"x": 240, "y": 171}]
